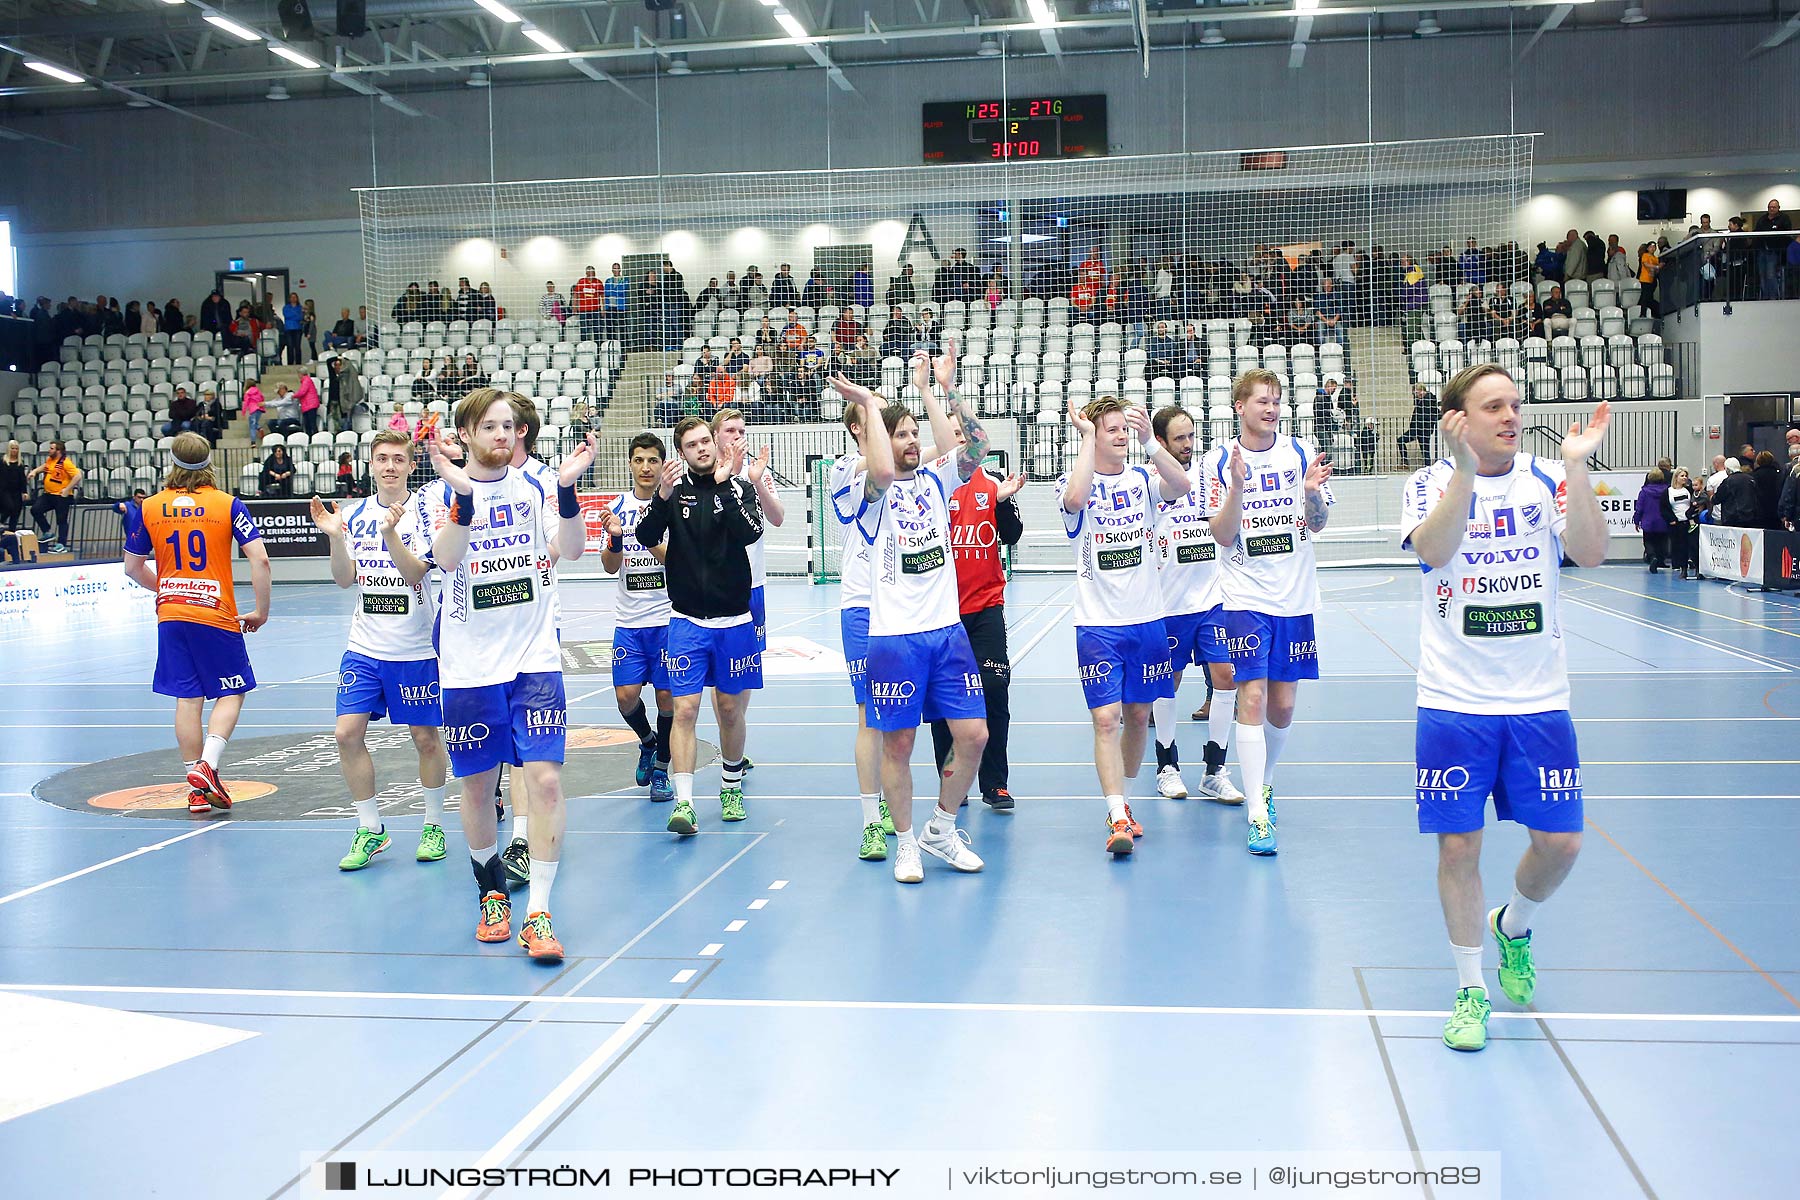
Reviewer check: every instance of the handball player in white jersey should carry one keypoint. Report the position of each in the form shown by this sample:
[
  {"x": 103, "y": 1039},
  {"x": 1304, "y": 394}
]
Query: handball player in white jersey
[
  {"x": 1491, "y": 525},
  {"x": 498, "y": 656},
  {"x": 641, "y": 616},
  {"x": 846, "y": 487},
  {"x": 1121, "y": 647},
  {"x": 921, "y": 667},
  {"x": 379, "y": 547},
  {"x": 1267, "y": 497},
  {"x": 1193, "y": 616}
]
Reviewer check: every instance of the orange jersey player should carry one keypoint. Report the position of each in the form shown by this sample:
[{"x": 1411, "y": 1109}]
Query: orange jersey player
[{"x": 187, "y": 531}]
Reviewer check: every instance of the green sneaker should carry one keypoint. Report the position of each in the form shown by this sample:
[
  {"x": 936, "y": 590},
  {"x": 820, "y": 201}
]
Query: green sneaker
[
  {"x": 1467, "y": 1027},
  {"x": 366, "y": 845},
  {"x": 1518, "y": 976},
  {"x": 731, "y": 803},
  {"x": 682, "y": 819},
  {"x": 887, "y": 820},
  {"x": 874, "y": 847},
  {"x": 431, "y": 844}
]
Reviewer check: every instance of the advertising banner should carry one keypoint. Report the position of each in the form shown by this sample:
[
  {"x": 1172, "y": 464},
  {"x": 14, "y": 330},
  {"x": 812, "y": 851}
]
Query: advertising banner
[
  {"x": 287, "y": 529},
  {"x": 1781, "y": 559},
  {"x": 1618, "y": 492},
  {"x": 46, "y": 596},
  {"x": 1727, "y": 552}
]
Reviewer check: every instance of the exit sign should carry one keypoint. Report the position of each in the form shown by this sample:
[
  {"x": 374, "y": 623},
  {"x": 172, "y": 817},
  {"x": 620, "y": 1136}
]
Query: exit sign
[{"x": 237, "y": 264}]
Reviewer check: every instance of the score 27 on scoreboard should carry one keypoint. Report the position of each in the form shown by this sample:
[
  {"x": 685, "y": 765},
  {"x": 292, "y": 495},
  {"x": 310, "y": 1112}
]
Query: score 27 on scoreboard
[{"x": 1041, "y": 127}]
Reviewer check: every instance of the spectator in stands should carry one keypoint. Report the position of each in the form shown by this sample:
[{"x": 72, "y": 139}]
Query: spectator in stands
[
  {"x": 1720, "y": 469},
  {"x": 1684, "y": 531},
  {"x": 669, "y": 400},
  {"x": 1529, "y": 319},
  {"x": 1163, "y": 354},
  {"x": 845, "y": 332},
  {"x": 472, "y": 375},
  {"x": 1502, "y": 314},
  {"x": 440, "y": 305},
  {"x": 62, "y": 477},
  {"x": 781, "y": 288},
  {"x": 1594, "y": 257},
  {"x": 995, "y": 289},
  {"x": 1423, "y": 426},
  {"x": 345, "y": 393},
  {"x": 410, "y": 305},
  {"x": 862, "y": 365},
  {"x": 591, "y": 301},
  {"x": 151, "y": 321},
  {"x": 1771, "y": 253},
  {"x": 277, "y": 478},
  {"x": 307, "y": 393},
  {"x": 900, "y": 289},
  {"x": 1471, "y": 267},
  {"x": 181, "y": 412},
  {"x": 1736, "y": 501},
  {"x": 1787, "y": 508},
  {"x": 731, "y": 295},
  {"x": 309, "y": 329},
  {"x": 215, "y": 313},
  {"x": 209, "y": 415},
  {"x": 464, "y": 304},
  {"x": 709, "y": 296},
  {"x": 756, "y": 292},
  {"x": 897, "y": 338},
  {"x": 252, "y": 409},
  {"x": 1132, "y": 304},
  {"x": 346, "y": 475},
  {"x": 293, "y": 319},
  {"x": 1649, "y": 266},
  {"x": 793, "y": 335},
  {"x": 1766, "y": 475},
  {"x": 1558, "y": 314},
  {"x": 424, "y": 383},
  {"x": 1549, "y": 264},
  {"x": 343, "y": 332},
  {"x": 705, "y": 367},
  {"x": 928, "y": 331},
  {"x": 1619, "y": 266},
  {"x": 173, "y": 319},
  {"x": 862, "y": 289},
  {"x": 398, "y": 421},
  {"x": 768, "y": 341},
  {"x": 245, "y": 329},
  {"x": 1651, "y": 516},
  {"x": 487, "y": 305},
  {"x": 1330, "y": 304},
  {"x": 1575, "y": 256},
  {"x": 15, "y": 487},
  {"x": 817, "y": 292},
  {"x": 1301, "y": 322}
]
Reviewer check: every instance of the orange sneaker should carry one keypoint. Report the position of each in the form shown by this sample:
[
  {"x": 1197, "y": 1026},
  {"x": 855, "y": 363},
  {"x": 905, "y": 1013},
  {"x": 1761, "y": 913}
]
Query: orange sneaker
[
  {"x": 197, "y": 802},
  {"x": 538, "y": 940},
  {"x": 1118, "y": 839},
  {"x": 1131, "y": 822},
  {"x": 202, "y": 778},
  {"x": 496, "y": 918}
]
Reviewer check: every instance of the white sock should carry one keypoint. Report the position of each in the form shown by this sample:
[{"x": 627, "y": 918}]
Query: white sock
[
  {"x": 871, "y": 806},
  {"x": 1252, "y": 749},
  {"x": 519, "y": 827},
  {"x": 941, "y": 823},
  {"x": 192, "y": 763},
  {"x": 1468, "y": 966},
  {"x": 543, "y": 874},
  {"x": 1220, "y": 720},
  {"x": 1275, "y": 738},
  {"x": 482, "y": 853},
  {"x": 367, "y": 814},
  {"x": 1515, "y": 918},
  {"x": 214, "y": 751},
  {"x": 684, "y": 786},
  {"x": 1115, "y": 809},
  {"x": 434, "y": 804},
  {"x": 1163, "y": 713},
  {"x": 906, "y": 836}
]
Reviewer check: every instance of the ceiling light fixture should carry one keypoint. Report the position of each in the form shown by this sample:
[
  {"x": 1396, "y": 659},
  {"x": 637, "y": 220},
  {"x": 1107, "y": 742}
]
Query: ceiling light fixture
[
  {"x": 990, "y": 46},
  {"x": 678, "y": 64},
  {"x": 1634, "y": 15},
  {"x": 1212, "y": 34},
  {"x": 294, "y": 56},
  {"x": 233, "y": 28},
  {"x": 277, "y": 92},
  {"x": 1427, "y": 25},
  {"x": 137, "y": 102},
  {"x": 545, "y": 41},
  {"x": 54, "y": 72},
  {"x": 477, "y": 79},
  {"x": 501, "y": 11}
]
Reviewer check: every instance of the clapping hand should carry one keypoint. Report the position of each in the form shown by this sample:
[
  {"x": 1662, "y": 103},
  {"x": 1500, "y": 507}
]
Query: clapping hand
[{"x": 327, "y": 518}]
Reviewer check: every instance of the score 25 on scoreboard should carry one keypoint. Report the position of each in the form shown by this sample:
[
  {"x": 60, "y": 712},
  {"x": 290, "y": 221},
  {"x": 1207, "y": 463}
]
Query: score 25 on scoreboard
[{"x": 966, "y": 131}]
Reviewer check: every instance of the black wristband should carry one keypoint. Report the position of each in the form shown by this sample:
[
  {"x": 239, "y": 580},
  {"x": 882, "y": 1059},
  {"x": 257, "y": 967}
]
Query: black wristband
[
  {"x": 617, "y": 544},
  {"x": 568, "y": 504},
  {"x": 462, "y": 508}
]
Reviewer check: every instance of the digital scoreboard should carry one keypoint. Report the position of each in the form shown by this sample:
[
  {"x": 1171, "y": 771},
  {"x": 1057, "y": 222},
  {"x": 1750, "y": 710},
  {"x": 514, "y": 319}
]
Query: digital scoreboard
[{"x": 1036, "y": 127}]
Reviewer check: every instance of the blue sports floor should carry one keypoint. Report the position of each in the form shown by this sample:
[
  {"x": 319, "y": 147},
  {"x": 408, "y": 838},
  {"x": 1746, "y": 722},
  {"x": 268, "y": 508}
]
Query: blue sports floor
[{"x": 204, "y": 1006}]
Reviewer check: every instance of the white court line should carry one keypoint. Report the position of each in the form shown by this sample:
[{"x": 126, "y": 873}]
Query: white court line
[
  {"x": 759, "y": 905},
  {"x": 684, "y": 975},
  {"x": 38, "y": 887},
  {"x": 735, "y": 926},
  {"x": 515, "y": 1137},
  {"x": 710, "y": 949},
  {"x": 1703, "y": 643},
  {"x": 778, "y": 885},
  {"x": 966, "y": 1006}
]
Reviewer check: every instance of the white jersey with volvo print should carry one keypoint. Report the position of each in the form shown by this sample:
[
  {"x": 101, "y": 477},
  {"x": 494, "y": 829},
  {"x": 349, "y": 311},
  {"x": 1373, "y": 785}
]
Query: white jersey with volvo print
[
  {"x": 912, "y": 570},
  {"x": 755, "y": 549},
  {"x": 1271, "y": 569},
  {"x": 495, "y": 620},
  {"x": 1114, "y": 537},
  {"x": 1491, "y": 637},
  {"x": 643, "y": 601},
  {"x": 846, "y": 485},
  {"x": 545, "y": 474},
  {"x": 393, "y": 618},
  {"x": 1190, "y": 557}
]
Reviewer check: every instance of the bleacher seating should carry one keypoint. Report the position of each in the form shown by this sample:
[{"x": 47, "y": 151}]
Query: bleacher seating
[{"x": 1599, "y": 366}]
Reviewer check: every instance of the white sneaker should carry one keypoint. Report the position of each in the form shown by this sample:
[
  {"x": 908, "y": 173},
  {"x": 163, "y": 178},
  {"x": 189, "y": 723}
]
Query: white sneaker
[
  {"x": 953, "y": 847},
  {"x": 907, "y": 867},
  {"x": 1218, "y": 786},
  {"x": 1169, "y": 785}
]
